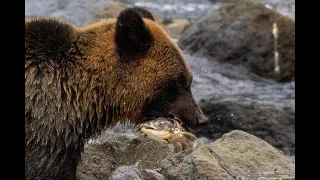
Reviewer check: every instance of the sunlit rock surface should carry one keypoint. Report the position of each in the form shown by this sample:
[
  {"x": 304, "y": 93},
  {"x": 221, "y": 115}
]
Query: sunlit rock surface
[{"x": 237, "y": 155}]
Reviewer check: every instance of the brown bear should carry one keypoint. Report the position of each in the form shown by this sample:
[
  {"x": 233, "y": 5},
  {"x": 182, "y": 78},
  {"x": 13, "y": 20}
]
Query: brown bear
[{"x": 79, "y": 81}]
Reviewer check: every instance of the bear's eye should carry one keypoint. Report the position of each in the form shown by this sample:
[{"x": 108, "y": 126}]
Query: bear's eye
[
  {"x": 181, "y": 82},
  {"x": 176, "y": 84},
  {"x": 172, "y": 88}
]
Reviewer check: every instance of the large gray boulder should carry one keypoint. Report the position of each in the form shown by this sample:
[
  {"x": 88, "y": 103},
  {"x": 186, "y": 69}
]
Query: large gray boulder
[
  {"x": 240, "y": 32},
  {"x": 102, "y": 156},
  {"x": 237, "y": 155}
]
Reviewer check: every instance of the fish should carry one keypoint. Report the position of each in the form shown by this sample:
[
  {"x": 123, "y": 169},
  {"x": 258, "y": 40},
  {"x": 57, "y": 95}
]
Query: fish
[{"x": 169, "y": 131}]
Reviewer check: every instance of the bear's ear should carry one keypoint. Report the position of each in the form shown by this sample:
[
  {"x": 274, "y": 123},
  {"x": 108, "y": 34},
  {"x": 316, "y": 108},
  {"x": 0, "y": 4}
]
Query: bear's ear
[{"x": 132, "y": 36}]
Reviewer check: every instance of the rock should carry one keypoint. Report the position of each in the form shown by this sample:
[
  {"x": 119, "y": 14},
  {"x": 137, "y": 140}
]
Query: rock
[
  {"x": 237, "y": 155},
  {"x": 198, "y": 164},
  {"x": 126, "y": 173},
  {"x": 176, "y": 27},
  {"x": 260, "y": 106},
  {"x": 241, "y": 33},
  {"x": 220, "y": 1},
  {"x": 244, "y": 155},
  {"x": 112, "y": 10},
  {"x": 78, "y": 12},
  {"x": 145, "y": 153},
  {"x": 285, "y": 7},
  {"x": 133, "y": 173},
  {"x": 111, "y": 150},
  {"x": 150, "y": 174},
  {"x": 276, "y": 125},
  {"x": 101, "y": 156}
]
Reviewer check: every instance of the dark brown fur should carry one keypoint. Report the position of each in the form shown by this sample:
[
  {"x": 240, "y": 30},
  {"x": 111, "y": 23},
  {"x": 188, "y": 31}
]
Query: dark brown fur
[{"x": 76, "y": 85}]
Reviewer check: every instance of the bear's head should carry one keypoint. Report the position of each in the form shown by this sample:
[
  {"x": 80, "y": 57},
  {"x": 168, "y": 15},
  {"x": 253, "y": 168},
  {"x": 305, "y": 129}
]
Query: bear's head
[{"x": 150, "y": 75}]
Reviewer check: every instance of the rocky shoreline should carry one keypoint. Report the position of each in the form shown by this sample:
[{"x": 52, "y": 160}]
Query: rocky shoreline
[
  {"x": 230, "y": 50},
  {"x": 236, "y": 155}
]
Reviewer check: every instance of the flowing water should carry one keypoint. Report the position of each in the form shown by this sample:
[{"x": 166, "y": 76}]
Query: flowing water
[{"x": 80, "y": 12}]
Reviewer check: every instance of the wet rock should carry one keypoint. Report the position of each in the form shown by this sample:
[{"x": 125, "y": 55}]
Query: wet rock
[
  {"x": 112, "y": 10},
  {"x": 78, "y": 12},
  {"x": 237, "y": 155},
  {"x": 126, "y": 173},
  {"x": 241, "y": 33},
  {"x": 276, "y": 125},
  {"x": 244, "y": 155},
  {"x": 197, "y": 164},
  {"x": 101, "y": 156},
  {"x": 176, "y": 27},
  {"x": 105, "y": 154},
  {"x": 259, "y": 106},
  {"x": 151, "y": 174},
  {"x": 145, "y": 153},
  {"x": 285, "y": 7}
]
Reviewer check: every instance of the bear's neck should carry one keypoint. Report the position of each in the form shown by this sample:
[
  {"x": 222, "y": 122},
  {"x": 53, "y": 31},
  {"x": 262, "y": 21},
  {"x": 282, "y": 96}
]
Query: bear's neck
[{"x": 97, "y": 101}]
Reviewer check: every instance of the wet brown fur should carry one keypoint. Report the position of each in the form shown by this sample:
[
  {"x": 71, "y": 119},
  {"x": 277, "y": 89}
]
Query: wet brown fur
[{"x": 75, "y": 86}]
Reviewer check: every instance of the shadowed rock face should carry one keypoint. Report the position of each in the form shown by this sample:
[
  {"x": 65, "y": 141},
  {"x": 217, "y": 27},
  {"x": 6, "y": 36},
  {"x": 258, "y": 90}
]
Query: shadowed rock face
[
  {"x": 241, "y": 33},
  {"x": 235, "y": 155},
  {"x": 276, "y": 125},
  {"x": 233, "y": 98},
  {"x": 230, "y": 52}
]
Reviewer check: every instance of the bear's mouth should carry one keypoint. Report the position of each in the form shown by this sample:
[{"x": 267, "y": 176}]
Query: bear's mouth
[{"x": 183, "y": 125}]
